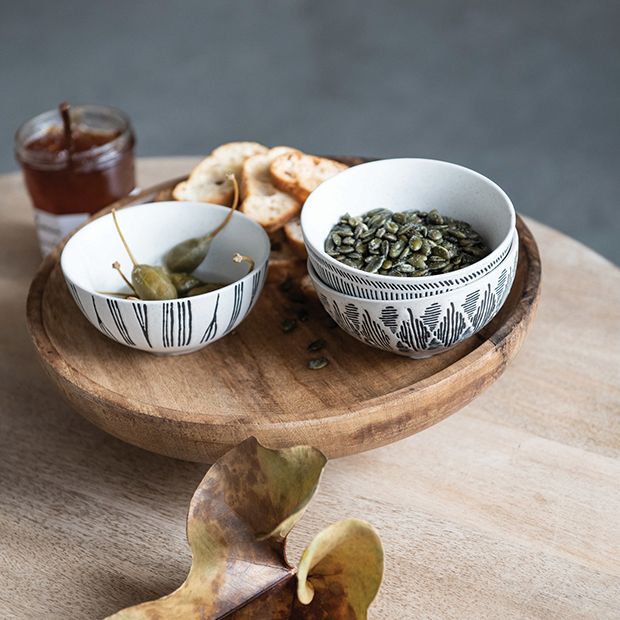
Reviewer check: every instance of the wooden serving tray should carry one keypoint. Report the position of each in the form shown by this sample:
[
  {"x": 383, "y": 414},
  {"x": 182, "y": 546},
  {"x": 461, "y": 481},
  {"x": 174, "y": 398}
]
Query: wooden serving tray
[{"x": 255, "y": 381}]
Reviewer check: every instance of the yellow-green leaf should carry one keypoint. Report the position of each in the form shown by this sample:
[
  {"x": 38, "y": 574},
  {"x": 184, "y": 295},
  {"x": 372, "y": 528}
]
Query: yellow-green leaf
[{"x": 339, "y": 573}]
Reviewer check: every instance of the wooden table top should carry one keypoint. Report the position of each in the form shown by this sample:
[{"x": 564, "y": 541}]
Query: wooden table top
[{"x": 510, "y": 508}]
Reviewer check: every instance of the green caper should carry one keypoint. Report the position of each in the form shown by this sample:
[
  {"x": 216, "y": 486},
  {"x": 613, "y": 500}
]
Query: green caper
[
  {"x": 187, "y": 255},
  {"x": 147, "y": 281}
]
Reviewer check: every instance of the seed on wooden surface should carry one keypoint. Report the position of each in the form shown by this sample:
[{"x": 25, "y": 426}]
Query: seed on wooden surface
[
  {"x": 288, "y": 325},
  {"x": 318, "y": 363},
  {"x": 317, "y": 345}
]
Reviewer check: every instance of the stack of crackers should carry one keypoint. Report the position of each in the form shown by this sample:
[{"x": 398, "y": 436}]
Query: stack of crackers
[{"x": 275, "y": 183}]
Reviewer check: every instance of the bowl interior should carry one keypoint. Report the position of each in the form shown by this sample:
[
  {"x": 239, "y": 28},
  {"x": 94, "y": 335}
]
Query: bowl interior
[
  {"x": 151, "y": 230},
  {"x": 403, "y": 184}
]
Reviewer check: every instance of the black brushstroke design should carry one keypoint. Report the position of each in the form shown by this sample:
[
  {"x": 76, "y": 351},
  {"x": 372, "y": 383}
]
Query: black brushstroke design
[
  {"x": 451, "y": 326},
  {"x": 486, "y": 309},
  {"x": 372, "y": 333},
  {"x": 237, "y": 302},
  {"x": 431, "y": 316},
  {"x": 167, "y": 325},
  {"x": 141, "y": 312},
  {"x": 389, "y": 316},
  {"x": 102, "y": 326},
  {"x": 117, "y": 317},
  {"x": 256, "y": 278},
  {"x": 76, "y": 297},
  {"x": 352, "y": 317},
  {"x": 211, "y": 330},
  {"x": 471, "y": 303}
]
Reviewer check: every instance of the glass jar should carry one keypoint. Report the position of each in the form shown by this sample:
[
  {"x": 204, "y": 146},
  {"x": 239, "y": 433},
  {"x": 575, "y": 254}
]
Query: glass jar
[{"x": 68, "y": 184}]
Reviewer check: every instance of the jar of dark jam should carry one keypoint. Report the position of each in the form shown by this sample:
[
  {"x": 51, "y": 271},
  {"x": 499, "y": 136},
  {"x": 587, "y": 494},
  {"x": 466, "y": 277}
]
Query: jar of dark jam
[{"x": 73, "y": 170}]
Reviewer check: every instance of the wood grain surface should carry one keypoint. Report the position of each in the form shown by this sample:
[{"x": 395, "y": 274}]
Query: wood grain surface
[
  {"x": 508, "y": 509},
  {"x": 256, "y": 380}
]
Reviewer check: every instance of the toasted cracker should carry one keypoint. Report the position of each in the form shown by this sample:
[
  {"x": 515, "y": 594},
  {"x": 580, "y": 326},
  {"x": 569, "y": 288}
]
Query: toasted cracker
[
  {"x": 262, "y": 201},
  {"x": 299, "y": 174},
  {"x": 292, "y": 230}
]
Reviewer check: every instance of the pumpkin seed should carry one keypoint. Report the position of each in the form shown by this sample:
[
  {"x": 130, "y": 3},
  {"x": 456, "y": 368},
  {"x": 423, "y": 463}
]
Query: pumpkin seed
[
  {"x": 373, "y": 264},
  {"x": 396, "y": 248},
  {"x": 288, "y": 325},
  {"x": 317, "y": 363},
  {"x": 415, "y": 243},
  {"x": 440, "y": 251},
  {"x": 317, "y": 345},
  {"x": 405, "y": 244}
]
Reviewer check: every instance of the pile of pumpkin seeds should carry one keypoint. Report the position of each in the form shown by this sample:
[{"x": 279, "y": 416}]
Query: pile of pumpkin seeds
[{"x": 406, "y": 243}]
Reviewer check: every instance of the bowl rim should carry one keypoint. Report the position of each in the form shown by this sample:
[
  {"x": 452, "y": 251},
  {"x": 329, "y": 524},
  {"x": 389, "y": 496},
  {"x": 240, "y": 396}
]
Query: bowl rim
[
  {"x": 258, "y": 267},
  {"x": 420, "y": 279},
  {"x": 314, "y": 276},
  {"x": 433, "y": 288}
]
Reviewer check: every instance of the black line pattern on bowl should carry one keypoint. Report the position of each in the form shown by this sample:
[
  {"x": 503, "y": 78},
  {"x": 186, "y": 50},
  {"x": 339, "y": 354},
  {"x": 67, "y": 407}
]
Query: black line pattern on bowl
[
  {"x": 102, "y": 326},
  {"x": 256, "y": 278},
  {"x": 347, "y": 283},
  {"x": 76, "y": 296},
  {"x": 236, "y": 311},
  {"x": 117, "y": 317},
  {"x": 211, "y": 330},
  {"x": 435, "y": 328},
  {"x": 177, "y": 322},
  {"x": 142, "y": 316}
]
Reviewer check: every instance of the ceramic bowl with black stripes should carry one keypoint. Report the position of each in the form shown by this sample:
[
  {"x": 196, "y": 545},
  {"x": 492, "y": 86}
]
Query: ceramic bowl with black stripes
[
  {"x": 400, "y": 185},
  {"x": 422, "y": 327},
  {"x": 165, "y": 327}
]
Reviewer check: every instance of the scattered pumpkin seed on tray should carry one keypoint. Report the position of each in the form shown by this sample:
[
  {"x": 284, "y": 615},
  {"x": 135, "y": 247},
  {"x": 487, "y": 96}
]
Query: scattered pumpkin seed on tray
[{"x": 404, "y": 243}]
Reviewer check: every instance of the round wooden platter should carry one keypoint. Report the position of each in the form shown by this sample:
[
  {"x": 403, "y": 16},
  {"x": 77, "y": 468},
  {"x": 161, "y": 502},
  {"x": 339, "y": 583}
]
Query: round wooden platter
[{"x": 255, "y": 381}]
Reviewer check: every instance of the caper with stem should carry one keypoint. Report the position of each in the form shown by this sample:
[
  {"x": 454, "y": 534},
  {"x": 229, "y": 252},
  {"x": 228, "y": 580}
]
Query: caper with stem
[
  {"x": 208, "y": 287},
  {"x": 147, "y": 281},
  {"x": 240, "y": 258},
  {"x": 187, "y": 255}
]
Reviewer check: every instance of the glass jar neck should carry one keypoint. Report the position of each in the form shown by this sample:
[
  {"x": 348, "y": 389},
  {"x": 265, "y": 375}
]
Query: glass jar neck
[{"x": 86, "y": 118}]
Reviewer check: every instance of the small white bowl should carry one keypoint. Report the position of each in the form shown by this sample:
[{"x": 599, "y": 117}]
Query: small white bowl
[
  {"x": 422, "y": 327},
  {"x": 399, "y": 185},
  {"x": 167, "y": 327}
]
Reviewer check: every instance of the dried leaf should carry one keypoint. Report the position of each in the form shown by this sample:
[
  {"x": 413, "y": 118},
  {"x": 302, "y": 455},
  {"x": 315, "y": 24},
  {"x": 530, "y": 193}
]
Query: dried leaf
[
  {"x": 237, "y": 525},
  {"x": 338, "y": 577},
  {"x": 238, "y": 521},
  {"x": 340, "y": 573}
]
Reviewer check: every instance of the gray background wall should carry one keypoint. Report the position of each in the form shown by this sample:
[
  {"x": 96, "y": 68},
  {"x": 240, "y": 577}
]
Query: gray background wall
[{"x": 526, "y": 92}]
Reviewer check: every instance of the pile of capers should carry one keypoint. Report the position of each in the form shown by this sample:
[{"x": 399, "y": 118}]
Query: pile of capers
[
  {"x": 405, "y": 244},
  {"x": 175, "y": 278}
]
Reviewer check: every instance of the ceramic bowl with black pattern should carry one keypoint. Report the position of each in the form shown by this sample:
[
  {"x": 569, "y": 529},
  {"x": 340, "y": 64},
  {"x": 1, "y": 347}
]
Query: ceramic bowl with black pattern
[
  {"x": 180, "y": 325},
  {"x": 424, "y": 326},
  {"x": 401, "y": 185}
]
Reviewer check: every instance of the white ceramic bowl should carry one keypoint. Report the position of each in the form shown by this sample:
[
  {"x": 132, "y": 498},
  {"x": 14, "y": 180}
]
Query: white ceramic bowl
[
  {"x": 422, "y": 327},
  {"x": 398, "y": 185},
  {"x": 176, "y": 326}
]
